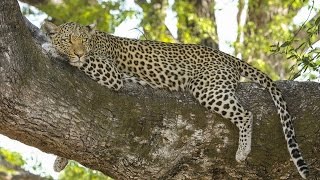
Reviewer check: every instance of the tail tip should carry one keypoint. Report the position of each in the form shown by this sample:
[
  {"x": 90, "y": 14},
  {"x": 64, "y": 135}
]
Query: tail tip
[{"x": 304, "y": 173}]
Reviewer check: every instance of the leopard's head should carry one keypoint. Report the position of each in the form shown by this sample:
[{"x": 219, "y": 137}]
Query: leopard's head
[{"x": 70, "y": 39}]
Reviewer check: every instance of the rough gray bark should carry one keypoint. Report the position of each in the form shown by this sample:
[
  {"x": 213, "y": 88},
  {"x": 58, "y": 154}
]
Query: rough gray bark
[{"x": 139, "y": 132}]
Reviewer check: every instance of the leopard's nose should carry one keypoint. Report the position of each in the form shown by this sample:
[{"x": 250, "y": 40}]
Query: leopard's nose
[{"x": 79, "y": 53}]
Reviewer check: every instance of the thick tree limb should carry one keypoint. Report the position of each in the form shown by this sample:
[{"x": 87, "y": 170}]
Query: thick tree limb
[{"x": 139, "y": 132}]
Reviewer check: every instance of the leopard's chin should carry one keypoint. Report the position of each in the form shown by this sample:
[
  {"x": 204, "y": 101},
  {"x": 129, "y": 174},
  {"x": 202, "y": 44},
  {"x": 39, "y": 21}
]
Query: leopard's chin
[{"x": 78, "y": 62}]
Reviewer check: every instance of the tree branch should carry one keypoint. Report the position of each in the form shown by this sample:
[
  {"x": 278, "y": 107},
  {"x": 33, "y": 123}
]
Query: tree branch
[{"x": 140, "y": 132}]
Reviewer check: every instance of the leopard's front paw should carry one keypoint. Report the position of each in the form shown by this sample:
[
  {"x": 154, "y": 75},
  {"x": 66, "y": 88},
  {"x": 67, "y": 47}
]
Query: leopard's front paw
[{"x": 60, "y": 163}]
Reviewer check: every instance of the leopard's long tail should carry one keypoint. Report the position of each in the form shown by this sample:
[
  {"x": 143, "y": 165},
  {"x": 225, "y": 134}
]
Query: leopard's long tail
[{"x": 257, "y": 76}]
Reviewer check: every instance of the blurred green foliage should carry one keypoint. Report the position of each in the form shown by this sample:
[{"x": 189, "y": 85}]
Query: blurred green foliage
[
  {"x": 301, "y": 50},
  {"x": 76, "y": 171},
  {"x": 106, "y": 14},
  {"x": 73, "y": 171},
  {"x": 153, "y": 20},
  {"x": 268, "y": 22},
  {"x": 13, "y": 164},
  {"x": 196, "y": 22},
  {"x": 13, "y": 158}
]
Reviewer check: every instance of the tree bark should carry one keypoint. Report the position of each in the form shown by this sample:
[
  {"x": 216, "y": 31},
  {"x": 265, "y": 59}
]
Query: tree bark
[{"x": 141, "y": 133}]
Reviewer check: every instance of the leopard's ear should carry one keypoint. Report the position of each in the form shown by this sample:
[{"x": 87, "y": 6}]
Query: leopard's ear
[
  {"x": 49, "y": 28},
  {"x": 91, "y": 28}
]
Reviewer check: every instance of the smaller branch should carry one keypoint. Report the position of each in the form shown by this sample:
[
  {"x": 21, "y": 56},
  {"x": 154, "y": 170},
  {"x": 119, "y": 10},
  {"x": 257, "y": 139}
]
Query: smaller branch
[{"x": 37, "y": 35}]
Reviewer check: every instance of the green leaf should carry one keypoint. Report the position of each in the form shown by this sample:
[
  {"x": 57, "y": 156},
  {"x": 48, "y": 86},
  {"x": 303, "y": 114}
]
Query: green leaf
[
  {"x": 285, "y": 44},
  {"x": 292, "y": 56},
  {"x": 300, "y": 46},
  {"x": 317, "y": 21}
]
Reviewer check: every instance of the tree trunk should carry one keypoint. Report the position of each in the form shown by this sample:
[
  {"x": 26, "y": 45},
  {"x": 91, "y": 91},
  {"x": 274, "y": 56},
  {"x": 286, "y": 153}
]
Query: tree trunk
[
  {"x": 197, "y": 22},
  {"x": 153, "y": 21},
  {"x": 140, "y": 133}
]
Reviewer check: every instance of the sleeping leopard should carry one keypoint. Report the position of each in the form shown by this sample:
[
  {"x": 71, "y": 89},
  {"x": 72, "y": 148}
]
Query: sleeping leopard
[{"x": 210, "y": 75}]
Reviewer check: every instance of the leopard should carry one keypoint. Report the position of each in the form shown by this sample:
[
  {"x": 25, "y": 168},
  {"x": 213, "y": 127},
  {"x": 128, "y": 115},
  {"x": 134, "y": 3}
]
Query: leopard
[{"x": 209, "y": 75}]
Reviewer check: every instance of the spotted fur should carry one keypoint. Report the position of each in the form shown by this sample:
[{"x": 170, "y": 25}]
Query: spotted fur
[
  {"x": 210, "y": 75},
  {"x": 59, "y": 164}
]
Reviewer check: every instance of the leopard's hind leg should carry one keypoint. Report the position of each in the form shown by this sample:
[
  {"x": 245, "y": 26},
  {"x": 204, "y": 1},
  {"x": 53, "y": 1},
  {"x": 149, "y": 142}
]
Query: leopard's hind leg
[{"x": 219, "y": 96}]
